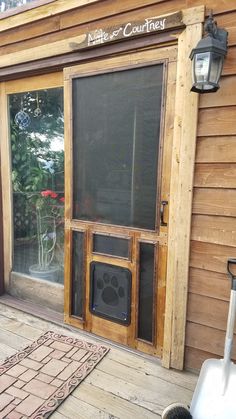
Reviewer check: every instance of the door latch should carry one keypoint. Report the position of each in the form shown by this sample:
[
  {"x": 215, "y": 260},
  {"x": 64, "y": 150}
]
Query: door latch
[{"x": 162, "y": 213}]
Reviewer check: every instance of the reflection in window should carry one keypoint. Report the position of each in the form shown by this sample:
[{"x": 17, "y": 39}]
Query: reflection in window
[
  {"x": 10, "y": 4},
  {"x": 116, "y": 125},
  {"x": 37, "y": 148}
]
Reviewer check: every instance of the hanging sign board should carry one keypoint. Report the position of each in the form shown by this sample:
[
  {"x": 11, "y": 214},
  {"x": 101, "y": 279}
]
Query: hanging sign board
[{"x": 129, "y": 30}]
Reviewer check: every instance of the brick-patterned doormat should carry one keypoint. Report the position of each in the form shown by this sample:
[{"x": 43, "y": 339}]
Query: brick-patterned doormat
[{"x": 36, "y": 380}]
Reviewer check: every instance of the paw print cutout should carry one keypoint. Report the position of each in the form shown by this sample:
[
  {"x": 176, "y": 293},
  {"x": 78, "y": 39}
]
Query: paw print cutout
[{"x": 110, "y": 292}]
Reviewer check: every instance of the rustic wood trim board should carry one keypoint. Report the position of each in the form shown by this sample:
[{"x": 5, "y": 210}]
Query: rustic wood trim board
[{"x": 184, "y": 141}]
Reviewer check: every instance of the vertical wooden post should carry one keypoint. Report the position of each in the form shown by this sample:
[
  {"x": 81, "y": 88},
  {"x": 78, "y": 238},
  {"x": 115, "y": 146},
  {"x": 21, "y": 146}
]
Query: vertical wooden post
[
  {"x": 6, "y": 184},
  {"x": 182, "y": 170}
]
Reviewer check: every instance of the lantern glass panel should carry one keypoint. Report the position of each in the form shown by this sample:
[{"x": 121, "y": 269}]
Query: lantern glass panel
[
  {"x": 216, "y": 68},
  {"x": 201, "y": 67}
]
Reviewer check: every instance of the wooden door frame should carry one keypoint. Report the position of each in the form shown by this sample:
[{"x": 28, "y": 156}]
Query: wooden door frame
[
  {"x": 185, "y": 111},
  {"x": 166, "y": 57}
]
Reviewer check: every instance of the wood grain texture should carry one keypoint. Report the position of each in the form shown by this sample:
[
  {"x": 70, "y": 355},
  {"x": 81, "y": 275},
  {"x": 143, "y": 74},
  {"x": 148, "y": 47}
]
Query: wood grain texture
[
  {"x": 214, "y": 229},
  {"x": 214, "y": 201},
  {"x": 216, "y": 149},
  {"x": 208, "y": 311},
  {"x": 185, "y": 126},
  {"x": 229, "y": 63},
  {"x": 82, "y": 20},
  {"x": 111, "y": 8},
  {"x": 231, "y": 34},
  {"x": 41, "y": 51},
  {"x": 107, "y": 35},
  {"x": 227, "y": 19},
  {"x": 207, "y": 339},
  {"x": 59, "y": 62},
  {"x": 51, "y": 29},
  {"x": 219, "y": 175},
  {"x": 209, "y": 284},
  {"x": 43, "y": 11},
  {"x": 225, "y": 96},
  {"x": 215, "y": 5},
  {"x": 218, "y": 121},
  {"x": 108, "y": 402},
  {"x": 49, "y": 295},
  {"x": 29, "y": 32},
  {"x": 135, "y": 58},
  {"x": 210, "y": 256},
  {"x": 48, "y": 81},
  {"x": 194, "y": 358}
]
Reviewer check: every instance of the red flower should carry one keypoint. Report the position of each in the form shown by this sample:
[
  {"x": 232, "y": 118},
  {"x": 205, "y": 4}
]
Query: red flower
[
  {"x": 50, "y": 193},
  {"x": 46, "y": 193},
  {"x": 62, "y": 199}
]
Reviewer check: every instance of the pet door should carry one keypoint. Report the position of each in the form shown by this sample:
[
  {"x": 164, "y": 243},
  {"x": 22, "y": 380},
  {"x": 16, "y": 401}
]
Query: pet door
[{"x": 110, "y": 295}]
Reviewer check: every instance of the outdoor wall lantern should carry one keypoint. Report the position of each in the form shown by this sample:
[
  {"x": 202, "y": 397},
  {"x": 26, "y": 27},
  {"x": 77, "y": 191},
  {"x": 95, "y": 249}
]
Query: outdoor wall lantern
[{"x": 208, "y": 57}]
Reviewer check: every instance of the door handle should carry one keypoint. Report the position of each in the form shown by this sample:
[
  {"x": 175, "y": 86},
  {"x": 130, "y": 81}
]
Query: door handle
[{"x": 162, "y": 213}]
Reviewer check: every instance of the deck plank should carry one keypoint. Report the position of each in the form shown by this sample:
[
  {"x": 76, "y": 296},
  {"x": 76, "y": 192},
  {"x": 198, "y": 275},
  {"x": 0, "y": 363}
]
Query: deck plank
[
  {"x": 153, "y": 368},
  {"x": 124, "y": 385},
  {"x": 13, "y": 340},
  {"x": 74, "y": 408},
  {"x": 109, "y": 403},
  {"x": 5, "y": 351},
  {"x": 154, "y": 399},
  {"x": 57, "y": 415},
  {"x": 19, "y": 328}
]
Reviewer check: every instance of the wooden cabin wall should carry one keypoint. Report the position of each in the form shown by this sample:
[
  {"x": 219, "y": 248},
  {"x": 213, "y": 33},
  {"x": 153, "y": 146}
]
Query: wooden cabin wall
[
  {"x": 214, "y": 202},
  {"x": 214, "y": 211}
]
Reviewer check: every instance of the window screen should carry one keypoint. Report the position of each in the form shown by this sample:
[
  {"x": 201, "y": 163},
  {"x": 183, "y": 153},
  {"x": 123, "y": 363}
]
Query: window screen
[
  {"x": 146, "y": 292},
  {"x": 116, "y": 126},
  {"x": 109, "y": 245}
]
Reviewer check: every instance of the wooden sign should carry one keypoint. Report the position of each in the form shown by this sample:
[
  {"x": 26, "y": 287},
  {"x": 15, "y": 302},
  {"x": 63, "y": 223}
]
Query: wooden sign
[{"x": 129, "y": 30}]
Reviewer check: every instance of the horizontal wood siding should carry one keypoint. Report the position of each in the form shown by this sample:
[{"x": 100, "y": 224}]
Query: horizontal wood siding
[
  {"x": 27, "y": 35},
  {"x": 214, "y": 209},
  {"x": 216, "y": 149},
  {"x": 215, "y": 201}
]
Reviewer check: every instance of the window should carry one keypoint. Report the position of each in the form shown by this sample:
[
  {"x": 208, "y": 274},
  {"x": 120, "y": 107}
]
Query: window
[{"x": 37, "y": 150}]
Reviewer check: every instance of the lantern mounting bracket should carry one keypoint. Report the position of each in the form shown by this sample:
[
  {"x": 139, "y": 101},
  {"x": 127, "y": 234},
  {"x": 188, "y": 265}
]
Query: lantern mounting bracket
[{"x": 211, "y": 28}]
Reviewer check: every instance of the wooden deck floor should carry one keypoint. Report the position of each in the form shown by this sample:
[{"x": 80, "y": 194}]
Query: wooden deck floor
[{"x": 124, "y": 385}]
